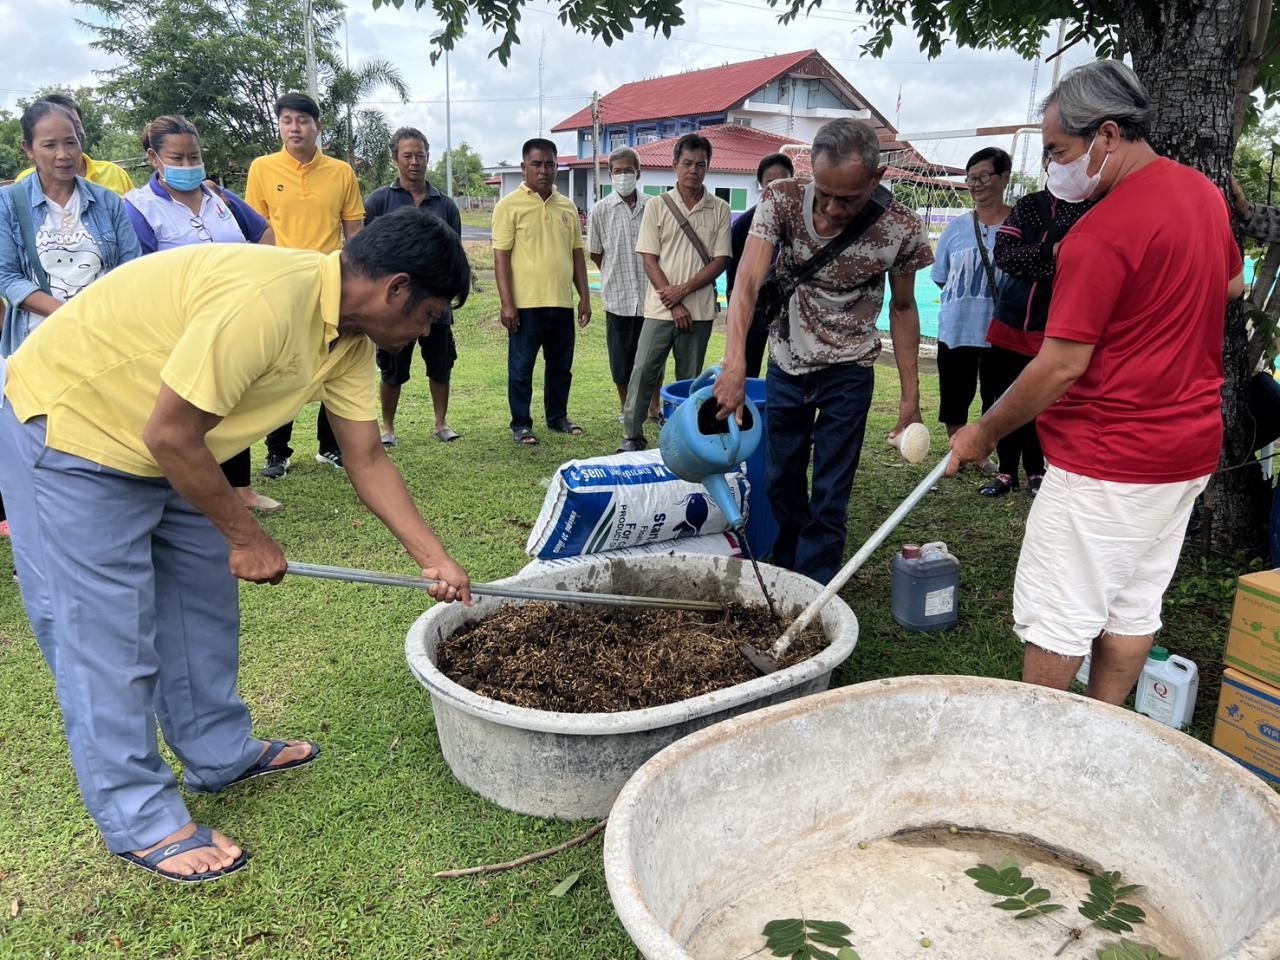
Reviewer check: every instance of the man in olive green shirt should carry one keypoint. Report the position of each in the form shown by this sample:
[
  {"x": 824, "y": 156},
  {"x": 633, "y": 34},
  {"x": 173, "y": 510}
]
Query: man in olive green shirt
[{"x": 681, "y": 302}]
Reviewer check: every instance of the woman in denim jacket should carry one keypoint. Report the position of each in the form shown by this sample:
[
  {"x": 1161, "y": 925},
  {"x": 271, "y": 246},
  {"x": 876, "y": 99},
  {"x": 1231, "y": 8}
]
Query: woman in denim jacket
[{"x": 79, "y": 229}]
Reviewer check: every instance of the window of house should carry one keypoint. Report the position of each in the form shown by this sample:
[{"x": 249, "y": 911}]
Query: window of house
[
  {"x": 737, "y": 199},
  {"x": 647, "y": 135},
  {"x": 742, "y": 121},
  {"x": 617, "y": 138},
  {"x": 655, "y": 189},
  {"x": 724, "y": 193}
]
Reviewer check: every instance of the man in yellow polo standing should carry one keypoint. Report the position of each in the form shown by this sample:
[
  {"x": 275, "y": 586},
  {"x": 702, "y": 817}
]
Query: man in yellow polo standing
[
  {"x": 538, "y": 261},
  {"x": 312, "y": 203},
  {"x": 128, "y": 537}
]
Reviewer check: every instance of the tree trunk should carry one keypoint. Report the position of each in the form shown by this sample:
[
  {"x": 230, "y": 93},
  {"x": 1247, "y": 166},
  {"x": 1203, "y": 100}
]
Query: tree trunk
[{"x": 1188, "y": 56}]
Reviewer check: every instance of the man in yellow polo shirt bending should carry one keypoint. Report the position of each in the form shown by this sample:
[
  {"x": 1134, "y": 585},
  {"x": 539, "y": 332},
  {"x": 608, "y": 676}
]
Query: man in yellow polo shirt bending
[
  {"x": 127, "y": 536},
  {"x": 312, "y": 203},
  {"x": 538, "y": 260}
]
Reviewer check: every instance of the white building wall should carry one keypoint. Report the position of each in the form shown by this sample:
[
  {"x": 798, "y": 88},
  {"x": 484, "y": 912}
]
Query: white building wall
[{"x": 801, "y": 129}]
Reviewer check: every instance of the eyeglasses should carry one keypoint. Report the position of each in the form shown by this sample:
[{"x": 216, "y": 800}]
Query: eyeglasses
[
  {"x": 978, "y": 179},
  {"x": 202, "y": 232}
]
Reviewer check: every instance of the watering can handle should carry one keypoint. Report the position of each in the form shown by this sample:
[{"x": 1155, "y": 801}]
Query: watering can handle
[{"x": 704, "y": 378}]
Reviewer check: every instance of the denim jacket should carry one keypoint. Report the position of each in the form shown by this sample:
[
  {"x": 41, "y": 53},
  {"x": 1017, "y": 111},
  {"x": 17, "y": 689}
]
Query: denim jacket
[{"x": 104, "y": 217}]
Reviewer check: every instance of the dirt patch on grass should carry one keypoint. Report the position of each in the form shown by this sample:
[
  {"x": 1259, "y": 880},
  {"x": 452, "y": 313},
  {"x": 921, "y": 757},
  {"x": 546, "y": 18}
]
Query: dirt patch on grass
[{"x": 550, "y": 657}]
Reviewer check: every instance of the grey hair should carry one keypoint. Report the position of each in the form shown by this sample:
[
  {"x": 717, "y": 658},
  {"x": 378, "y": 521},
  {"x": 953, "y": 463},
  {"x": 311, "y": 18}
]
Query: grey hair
[
  {"x": 625, "y": 153},
  {"x": 1094, "y": 93},
  {"x": 846, "y": 138}
]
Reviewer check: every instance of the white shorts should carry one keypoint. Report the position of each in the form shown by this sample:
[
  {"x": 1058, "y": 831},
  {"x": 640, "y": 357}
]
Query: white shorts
[{"x": 1097, "y": 556}]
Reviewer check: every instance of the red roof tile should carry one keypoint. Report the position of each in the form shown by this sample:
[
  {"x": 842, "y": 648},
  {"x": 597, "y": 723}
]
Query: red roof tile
[
  {"x": 739, "y": 149},
  {"x": 713, "y": 90},
  {"x": 734, "y": 149}
]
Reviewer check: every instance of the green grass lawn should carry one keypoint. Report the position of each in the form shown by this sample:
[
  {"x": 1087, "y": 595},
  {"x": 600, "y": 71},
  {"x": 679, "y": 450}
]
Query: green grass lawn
[
  {"x": 477, "y": 218},
  {"x": 344, "y": 851}
]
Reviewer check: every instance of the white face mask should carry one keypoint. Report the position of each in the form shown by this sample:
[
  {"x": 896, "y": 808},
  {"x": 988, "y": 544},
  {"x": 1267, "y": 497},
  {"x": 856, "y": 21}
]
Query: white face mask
[
  {"x": 1070, "y": 182},
  {"x": 624, "y": 183}
]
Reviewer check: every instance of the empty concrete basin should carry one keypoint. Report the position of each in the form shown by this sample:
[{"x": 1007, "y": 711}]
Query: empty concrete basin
[
  {"x": 839, "y": 807},
  {"x": 572, "y": 765}
]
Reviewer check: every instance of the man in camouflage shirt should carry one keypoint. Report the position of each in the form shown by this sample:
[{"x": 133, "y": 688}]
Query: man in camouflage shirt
[{"x": 823, "y": 349}]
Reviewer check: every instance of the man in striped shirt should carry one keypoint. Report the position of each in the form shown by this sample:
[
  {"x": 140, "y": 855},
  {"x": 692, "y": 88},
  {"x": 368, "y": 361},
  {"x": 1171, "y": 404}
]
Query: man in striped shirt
[{"x": 612, "y": 231}]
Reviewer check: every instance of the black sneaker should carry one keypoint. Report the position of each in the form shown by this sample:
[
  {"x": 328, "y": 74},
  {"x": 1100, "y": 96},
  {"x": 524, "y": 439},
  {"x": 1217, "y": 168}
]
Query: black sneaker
[
  {"x": 332, "y": 458},
  {"x": 1000, "y": 484},
  {"x": 277, "y": 466}
]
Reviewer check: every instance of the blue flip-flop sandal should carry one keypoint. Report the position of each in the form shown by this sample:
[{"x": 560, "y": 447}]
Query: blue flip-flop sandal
[
  {"x": 203, "y": 837},
  {"x": 263, "y": 765}
]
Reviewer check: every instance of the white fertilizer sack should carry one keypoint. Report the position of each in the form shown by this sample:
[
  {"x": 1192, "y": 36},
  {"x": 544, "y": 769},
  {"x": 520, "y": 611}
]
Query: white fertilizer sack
[
  {"x": 624, "y": 500},
  {"x": 724, "y": 544}
]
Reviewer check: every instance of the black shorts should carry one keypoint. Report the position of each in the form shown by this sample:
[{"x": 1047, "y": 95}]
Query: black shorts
[
  {"x": 438, "y": 352},
  {"x": 622, "y": 336},
  {"x": 960, "y": 369}
]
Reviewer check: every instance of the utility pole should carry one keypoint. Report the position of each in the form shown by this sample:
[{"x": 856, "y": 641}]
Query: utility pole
[
  {"x": 1057, "y": 71},
  {"x": 309, "y": 44},
  {"x": 541, "y": 52},
  {"x": 595, "y": 140},
  {"x": 1057, "y": 61},
  {"x": 448, "y": 132}
]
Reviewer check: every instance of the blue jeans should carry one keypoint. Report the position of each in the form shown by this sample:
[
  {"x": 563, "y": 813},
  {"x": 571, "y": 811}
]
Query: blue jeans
[
  {"x": 552, "y": 330},
  {"x": 826, "y": 412}
]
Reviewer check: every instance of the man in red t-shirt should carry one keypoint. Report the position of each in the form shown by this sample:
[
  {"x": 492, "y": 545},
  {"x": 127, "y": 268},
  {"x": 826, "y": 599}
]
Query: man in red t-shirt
[{"x": 1125, "y": 388}]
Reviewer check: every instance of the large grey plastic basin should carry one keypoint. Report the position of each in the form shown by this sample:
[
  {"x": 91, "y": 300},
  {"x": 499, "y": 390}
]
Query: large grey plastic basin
[
  {"x": 793, "y": 811},
  {"x": 572, "y": 765}
]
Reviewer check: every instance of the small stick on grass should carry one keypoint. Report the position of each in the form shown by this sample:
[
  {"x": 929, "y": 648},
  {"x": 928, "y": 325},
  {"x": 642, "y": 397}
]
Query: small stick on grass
[{"x": 540, "y": 855}]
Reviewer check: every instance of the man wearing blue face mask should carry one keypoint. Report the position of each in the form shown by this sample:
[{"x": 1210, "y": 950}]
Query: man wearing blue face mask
[
  {"x": 1131, "y": 364},
  {"x": 612, "y": 231}
]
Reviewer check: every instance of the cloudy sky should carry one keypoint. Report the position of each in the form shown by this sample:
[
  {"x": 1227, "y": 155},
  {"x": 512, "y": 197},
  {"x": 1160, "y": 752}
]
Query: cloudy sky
[{"x": 496, "y": 108}]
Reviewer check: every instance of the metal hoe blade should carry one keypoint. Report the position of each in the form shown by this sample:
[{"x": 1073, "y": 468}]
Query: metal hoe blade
[
  {"x": 767, "y": 661},
  {"x": 351, "y": 575}
]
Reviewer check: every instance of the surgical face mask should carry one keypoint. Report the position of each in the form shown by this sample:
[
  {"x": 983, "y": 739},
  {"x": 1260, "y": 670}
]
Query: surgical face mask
[
  {"x": 184, "y": 178},
  {"x": 1070, "y": 182},
  {"x": 624, "y": 183}
]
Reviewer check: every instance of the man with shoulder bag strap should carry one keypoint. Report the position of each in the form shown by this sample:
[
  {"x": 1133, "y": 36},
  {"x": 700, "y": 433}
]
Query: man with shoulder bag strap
[
  {"x": 837, "y": 237},
  {"x": 684, "y": 242}
]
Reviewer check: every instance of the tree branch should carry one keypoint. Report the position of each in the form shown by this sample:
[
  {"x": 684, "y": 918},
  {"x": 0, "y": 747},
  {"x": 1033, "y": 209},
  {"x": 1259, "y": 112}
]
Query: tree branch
[{"x": 540, "y": 855}]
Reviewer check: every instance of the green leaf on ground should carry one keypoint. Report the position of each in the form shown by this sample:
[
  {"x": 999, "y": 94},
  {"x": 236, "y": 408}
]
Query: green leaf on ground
[
  {"x": 1105, "y": 909},
  {"x": 1019, "y": 892},
  {"x": 798, "y": 939},
  {"x": 565, "y": 885},
  {"x": 1129, "y": 950}
]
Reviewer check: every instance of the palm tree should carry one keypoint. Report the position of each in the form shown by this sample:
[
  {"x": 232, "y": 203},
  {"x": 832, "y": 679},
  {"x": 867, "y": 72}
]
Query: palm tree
[{"x": 361, "y": 135}]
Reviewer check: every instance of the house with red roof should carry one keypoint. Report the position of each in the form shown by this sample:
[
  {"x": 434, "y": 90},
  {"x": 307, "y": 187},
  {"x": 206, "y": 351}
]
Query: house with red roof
[{"x": 747, "y": 110}]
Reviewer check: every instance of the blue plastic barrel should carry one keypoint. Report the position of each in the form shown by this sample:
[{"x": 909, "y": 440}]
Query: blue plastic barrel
[{"x": 762, "y": 529}]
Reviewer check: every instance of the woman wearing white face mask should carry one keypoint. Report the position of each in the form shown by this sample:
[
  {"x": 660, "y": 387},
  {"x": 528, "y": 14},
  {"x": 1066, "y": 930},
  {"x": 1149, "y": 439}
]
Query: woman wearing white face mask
[{"x": 178, "y": 207}]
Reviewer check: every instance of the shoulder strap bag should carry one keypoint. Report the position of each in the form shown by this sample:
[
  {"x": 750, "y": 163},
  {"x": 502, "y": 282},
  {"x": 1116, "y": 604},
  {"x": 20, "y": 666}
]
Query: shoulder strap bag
[
  {"x": 986, "y": 257},
  {"x": 692, "y": 236},
  {"x": 776, "y": 292},
  {"x": 21, "y": 197}
]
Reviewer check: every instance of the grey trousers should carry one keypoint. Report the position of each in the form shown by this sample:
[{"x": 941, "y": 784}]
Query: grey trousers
[
  {"x": 658, "y": 338},
  {"x": 128, "y": 589}
]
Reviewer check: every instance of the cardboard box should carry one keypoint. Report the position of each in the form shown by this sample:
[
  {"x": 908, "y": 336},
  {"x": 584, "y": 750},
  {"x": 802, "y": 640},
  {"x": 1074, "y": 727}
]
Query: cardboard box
[
  {"x": 1248, "y": 724},
  {"x": 1253, "y": 644}
]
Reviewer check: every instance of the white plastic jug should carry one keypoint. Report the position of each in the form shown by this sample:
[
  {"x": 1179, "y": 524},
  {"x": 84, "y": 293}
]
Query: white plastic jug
[{"x": 1167, "y": 688}]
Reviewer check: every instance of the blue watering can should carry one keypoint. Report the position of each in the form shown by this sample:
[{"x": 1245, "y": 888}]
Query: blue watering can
[{"x": 701, "y": 449}]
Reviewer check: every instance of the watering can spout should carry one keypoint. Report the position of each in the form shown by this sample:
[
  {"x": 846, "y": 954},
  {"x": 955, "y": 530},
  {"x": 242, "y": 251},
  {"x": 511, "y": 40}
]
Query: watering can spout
[{"x": 699, "y": 447}]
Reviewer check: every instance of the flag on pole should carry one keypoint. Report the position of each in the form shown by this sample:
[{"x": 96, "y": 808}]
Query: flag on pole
[{"x": 898, "y": 112}]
